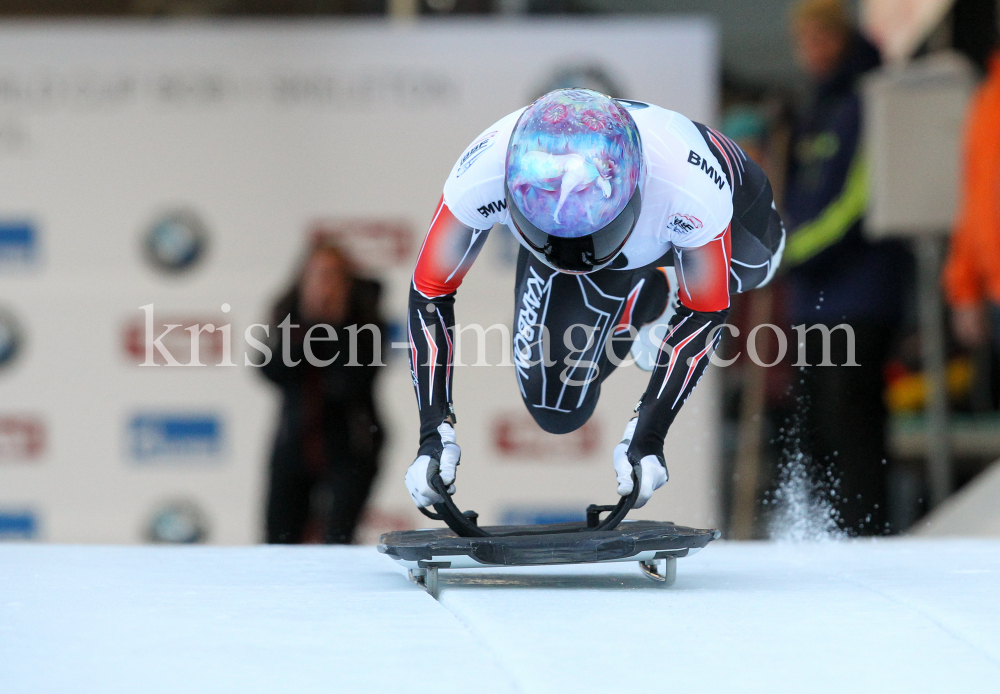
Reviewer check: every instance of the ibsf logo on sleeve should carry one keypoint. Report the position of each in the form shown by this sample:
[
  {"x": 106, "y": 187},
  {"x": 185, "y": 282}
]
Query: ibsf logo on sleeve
[
  {"x": 18, "y": 524},
  {"x": 154, "y": 438},
  {"x": 22, "y": 439},
  {"x": 176, "y": 241},
  {"x": 684, "y": 223},
  {"x": 18, "y": 243},
  {"x": 474, "y": 152},
  {"x": 11, "y": 338}
]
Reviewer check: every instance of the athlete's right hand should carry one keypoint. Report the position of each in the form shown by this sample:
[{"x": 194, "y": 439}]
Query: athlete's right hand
[
  {"x": 422, "y": 470},
  {"x": 654, "y": 471}
]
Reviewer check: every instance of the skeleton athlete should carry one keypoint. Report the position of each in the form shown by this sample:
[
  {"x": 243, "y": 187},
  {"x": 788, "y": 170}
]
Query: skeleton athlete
[{"x": 610, "y": 201}]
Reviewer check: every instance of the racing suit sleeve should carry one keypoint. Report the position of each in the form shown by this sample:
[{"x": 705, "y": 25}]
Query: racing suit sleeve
[
  {"x": 692, "y": 336},
  {"x": 448, "y": 251}
]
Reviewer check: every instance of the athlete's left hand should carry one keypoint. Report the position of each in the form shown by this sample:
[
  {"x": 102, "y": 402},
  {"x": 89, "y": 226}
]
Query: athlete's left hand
[{"x": 654, "y": 472}]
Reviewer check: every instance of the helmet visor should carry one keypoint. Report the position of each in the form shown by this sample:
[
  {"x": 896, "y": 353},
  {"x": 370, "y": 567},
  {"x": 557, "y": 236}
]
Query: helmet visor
[{"x": 585, "y": 253}]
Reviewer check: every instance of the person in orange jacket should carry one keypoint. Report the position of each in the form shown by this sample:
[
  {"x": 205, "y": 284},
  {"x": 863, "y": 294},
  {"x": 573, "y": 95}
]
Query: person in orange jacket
[{"x": 972, "y": 273}]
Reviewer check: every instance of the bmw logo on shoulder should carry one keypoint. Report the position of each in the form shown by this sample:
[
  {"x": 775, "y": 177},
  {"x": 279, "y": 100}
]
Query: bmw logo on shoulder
[
  {"x": 176, "y": 242},
  {"x": 11, "y": 338}
]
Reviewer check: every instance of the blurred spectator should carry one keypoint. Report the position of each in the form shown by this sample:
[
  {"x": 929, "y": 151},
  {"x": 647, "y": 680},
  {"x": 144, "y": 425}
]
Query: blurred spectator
[
  {"x": 327, "y": 445},
  {"x": 834, "y": 274},
  {"x": 972, "y": 273}
]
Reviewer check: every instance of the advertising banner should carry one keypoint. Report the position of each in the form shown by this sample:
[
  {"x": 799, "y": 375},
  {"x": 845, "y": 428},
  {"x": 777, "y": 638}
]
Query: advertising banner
[{"x": 171, "y": 175}]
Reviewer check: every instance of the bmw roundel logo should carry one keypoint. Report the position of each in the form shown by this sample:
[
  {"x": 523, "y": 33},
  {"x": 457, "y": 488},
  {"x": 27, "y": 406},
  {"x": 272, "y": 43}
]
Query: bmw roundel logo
[
  {"x": 179, "y": 522},
  {"x": 583, "y": 76},
  {"x": 176, "y": 241},
  {"x": 11, "y": 338}
]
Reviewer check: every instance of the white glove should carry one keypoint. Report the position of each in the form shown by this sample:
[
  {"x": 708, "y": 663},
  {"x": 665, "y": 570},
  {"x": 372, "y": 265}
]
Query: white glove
[
  {"x": 654, "y": 474},
  {"x": 418, "y": 476}
]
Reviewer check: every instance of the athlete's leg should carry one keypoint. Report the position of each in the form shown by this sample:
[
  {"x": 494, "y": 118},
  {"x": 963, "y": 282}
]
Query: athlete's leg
[{"x": 562, "y": 328}]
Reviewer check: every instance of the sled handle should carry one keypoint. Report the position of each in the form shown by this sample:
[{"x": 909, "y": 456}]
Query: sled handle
[{"x": 465, "y": 526}]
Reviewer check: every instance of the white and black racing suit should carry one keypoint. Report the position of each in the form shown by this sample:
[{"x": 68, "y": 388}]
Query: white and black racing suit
[{"x": 707, "y": 210}]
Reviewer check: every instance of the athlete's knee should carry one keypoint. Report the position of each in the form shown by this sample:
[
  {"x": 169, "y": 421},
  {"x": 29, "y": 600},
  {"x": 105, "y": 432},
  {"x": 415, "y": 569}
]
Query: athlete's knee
[
  {"x": 560, "y": 411},
  {"x": 560, "y": 421}
]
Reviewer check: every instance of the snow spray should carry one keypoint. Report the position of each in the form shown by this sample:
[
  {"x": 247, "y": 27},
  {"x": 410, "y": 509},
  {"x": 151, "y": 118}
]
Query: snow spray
[{"x": 802, "y": 507}]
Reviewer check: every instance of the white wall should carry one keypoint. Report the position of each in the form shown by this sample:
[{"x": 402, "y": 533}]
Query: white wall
[{"x": 103, "y": 127}]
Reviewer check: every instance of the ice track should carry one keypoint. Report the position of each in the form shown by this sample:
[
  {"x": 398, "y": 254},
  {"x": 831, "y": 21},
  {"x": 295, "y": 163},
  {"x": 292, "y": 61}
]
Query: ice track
[{"x": 890, "y": 616}]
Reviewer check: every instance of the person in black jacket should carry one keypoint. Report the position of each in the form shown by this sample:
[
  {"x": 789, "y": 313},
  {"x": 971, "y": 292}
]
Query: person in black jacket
[
  {"x": 326, "y": 449},
  {"x": 835, "y": 275}
]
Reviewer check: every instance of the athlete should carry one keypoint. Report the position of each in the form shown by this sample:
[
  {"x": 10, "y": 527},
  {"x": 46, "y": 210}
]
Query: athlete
[{"x": 610, "y": 201}]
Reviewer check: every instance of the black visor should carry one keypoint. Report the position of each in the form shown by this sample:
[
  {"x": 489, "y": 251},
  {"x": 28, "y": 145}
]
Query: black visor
[{"x": 585, "y": 253}]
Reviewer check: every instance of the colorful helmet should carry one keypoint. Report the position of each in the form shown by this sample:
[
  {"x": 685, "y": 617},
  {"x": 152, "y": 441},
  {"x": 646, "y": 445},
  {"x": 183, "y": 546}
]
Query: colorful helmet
[{"x": 574, "y": 166}]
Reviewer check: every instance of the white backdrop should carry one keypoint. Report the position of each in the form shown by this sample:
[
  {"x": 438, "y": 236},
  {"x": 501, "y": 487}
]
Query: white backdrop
[{"x": 263, "y": 130}]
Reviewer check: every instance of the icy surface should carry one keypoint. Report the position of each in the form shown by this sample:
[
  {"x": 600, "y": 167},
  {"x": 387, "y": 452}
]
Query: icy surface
[
  {"x": 893, "y": 615},
  {"x": 145, "y": 620}
]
